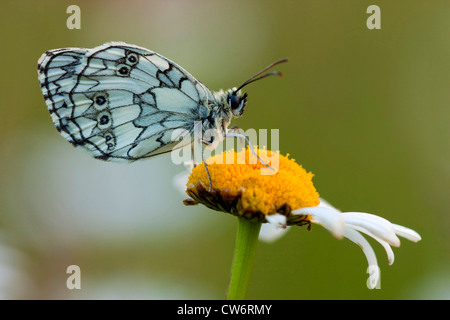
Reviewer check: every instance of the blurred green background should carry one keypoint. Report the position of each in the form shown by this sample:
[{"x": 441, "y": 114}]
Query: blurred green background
[{"x": 367, "y": 111}]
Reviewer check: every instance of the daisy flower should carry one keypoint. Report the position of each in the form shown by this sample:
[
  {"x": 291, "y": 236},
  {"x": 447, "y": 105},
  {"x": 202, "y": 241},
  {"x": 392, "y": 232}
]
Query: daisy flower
[{"x": 287, "y": 198}]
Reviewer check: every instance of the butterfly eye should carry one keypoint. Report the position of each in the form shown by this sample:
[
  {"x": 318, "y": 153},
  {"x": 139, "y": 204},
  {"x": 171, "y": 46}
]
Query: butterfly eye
[
  {"x": 234, "y": 101},
  {"x": 237, "y": 103}
]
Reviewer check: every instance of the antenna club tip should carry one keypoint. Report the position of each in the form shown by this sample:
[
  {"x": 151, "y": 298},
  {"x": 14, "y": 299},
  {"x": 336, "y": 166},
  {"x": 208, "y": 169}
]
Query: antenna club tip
[{"x": 278, "y": 73}]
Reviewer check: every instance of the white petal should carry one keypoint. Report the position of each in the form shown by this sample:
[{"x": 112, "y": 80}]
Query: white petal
[
  {"x": 407, "y": 233},
  {"x": 348, "y": 224},
  {"x": 386, "y": 246},
  {"x": 373, "y": 224},
  {"x": 373, "y": 268},
  {"x": 357, "y": 238},
  {"x": 189, "y": 165},
  {"x": 180, "y": 180},
  {"x": 329, "y": 218},
  {"x": 325, "y": 204},
  {"x": 388, "y": 249},
  {"x": 270, "y": 233},
  {"x": 278, "y": 220}
]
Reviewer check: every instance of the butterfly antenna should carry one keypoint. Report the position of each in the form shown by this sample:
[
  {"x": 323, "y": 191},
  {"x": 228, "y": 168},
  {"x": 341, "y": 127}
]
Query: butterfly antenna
[{"x": 258, "y": 75}]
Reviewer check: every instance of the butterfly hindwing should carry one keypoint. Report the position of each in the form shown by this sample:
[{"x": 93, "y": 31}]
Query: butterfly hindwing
[{"x": 119, "y": 101}]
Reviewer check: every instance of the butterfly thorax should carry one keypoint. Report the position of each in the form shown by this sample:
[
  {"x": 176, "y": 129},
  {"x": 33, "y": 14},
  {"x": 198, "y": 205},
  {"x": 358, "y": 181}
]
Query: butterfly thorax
[{"x": 215, "y": 124}]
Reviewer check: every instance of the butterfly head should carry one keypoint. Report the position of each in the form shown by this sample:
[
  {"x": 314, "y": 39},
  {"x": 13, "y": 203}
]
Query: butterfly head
[{"x": 237, "y": 102}]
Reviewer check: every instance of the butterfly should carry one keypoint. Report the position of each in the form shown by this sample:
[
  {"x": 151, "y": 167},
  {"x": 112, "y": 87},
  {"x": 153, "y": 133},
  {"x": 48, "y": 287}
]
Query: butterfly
[{"x": 121, "y": 102}]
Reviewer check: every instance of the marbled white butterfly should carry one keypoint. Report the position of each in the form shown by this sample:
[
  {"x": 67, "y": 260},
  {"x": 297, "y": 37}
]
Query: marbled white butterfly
[{"x": 122, "y": 102}]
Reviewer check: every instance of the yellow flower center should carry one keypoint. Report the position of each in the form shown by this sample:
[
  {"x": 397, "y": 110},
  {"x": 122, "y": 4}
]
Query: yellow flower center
[{"x": 261, "y": 193}]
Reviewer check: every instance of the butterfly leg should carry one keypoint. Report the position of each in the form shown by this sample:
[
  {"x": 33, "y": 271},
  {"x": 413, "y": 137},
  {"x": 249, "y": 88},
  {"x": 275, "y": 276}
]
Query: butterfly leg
[
  {"x": 199, "y": 147},
  {"x": 235, "y": 129},
  {"x": 241, "y": 136},
  {"x": 207, "y": 173}
]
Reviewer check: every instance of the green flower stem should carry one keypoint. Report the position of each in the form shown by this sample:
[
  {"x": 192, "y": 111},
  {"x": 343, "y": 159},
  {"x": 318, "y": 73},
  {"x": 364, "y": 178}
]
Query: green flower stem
[{"x": 244, "y": 255}]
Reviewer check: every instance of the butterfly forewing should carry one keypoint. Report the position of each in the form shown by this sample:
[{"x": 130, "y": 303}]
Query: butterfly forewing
[{"x": 119, "y": 101}]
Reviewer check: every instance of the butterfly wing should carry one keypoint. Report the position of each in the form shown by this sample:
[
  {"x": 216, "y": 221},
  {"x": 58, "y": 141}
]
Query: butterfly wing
[{"x": 118, "y": 101}]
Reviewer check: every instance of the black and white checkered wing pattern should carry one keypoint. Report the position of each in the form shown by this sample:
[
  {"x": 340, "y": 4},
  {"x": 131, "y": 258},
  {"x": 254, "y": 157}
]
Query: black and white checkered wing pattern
[{"x": 118, "y": 101}]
